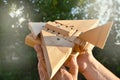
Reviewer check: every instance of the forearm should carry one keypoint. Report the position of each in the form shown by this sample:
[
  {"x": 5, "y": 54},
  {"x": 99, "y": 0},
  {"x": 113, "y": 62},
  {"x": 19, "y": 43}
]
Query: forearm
[{"x": 96, "y": 71}]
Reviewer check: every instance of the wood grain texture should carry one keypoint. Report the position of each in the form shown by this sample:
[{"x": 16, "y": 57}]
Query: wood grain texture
[
  {"x": 97, "y": 36},
  {"x": 56, "y": 50},
  {"x": 35, "y": 28},
  {"x": 61, "y": 29},
  {"x": 57, "y": 47},
  {"x": 81, "y": 25}
]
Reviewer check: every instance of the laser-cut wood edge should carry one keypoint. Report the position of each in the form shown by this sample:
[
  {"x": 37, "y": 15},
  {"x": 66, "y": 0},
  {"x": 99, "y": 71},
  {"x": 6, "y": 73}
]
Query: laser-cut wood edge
[
  {"x": 31, "y": 42},
  {"x": 55, "y": 55},
  {"x": 97, "y": 36}
]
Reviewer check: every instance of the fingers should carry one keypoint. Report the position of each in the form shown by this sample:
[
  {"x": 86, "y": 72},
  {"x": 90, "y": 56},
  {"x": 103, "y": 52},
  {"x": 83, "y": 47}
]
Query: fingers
[
  {"x": 40, "y": 56},
  {"x": 72, "y": 65},
  {"x": 41, "y": 64},
  {"x": 69, "y": 61},
  {"x": 65, "y": 74},
  {"x": 89, "y": 47},
  {"x": 39, "y": 52},
  {"x": 42, "y": 71},
  {"x": 85, "y": 57}
]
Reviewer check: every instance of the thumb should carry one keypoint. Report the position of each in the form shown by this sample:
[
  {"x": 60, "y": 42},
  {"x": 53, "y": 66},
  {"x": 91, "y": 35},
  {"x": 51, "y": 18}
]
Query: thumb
[
  {"x": 74, "y": 67},
  {"x": 41, "y": 64},
  {"x": 65, "y": 74}
]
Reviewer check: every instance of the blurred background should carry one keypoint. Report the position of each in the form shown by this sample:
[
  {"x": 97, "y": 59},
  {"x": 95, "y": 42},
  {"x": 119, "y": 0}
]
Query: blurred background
[{"x": 19, "y": 62}]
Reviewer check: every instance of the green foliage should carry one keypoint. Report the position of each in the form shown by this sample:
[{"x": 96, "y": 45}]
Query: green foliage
[
  {"x": 12, "y": 35},
  {"x": 18, "y": 61},
  {"x": 54, "y": 9}
]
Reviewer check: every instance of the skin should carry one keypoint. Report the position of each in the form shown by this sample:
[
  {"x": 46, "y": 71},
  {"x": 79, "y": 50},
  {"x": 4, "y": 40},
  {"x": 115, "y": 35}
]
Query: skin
[
  {"x": 62, "y": 74},
  {"x": 84, "y": 63},
  {"x": 91, "y": 68}
]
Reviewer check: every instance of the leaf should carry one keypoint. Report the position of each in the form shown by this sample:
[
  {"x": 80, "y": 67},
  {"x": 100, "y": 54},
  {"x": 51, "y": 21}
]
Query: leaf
[{"x": 55, "y": 2}]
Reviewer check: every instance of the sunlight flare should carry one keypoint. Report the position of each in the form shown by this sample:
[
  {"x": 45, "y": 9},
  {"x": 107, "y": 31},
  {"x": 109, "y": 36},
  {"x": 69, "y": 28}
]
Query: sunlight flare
[{"x": 17, "y": 13}]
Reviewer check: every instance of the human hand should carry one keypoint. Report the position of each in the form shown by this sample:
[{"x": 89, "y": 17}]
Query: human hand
[
  {"x": 41, "y": 63},
  {"x": 91, "y": 68},
  {"x": 85, "y": 57},
  {"x": 63, "y": 73},
  {"x": 72, "y": 72}
]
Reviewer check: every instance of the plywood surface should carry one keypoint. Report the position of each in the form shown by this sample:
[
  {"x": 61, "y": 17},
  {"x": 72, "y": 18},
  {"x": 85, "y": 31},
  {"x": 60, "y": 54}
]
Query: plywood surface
[
  {"x": 56, "y": 51},
  {"x": 57, "y": 42},
  {"x": 61, "y": 29},
  {"x": 81, "y": 25},
  {"x": 97, "y": 36},
  {"x": 35, "y": 28}
]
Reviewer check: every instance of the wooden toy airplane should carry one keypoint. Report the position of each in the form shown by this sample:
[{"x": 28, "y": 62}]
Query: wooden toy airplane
[{"x": 59, "y": 38}]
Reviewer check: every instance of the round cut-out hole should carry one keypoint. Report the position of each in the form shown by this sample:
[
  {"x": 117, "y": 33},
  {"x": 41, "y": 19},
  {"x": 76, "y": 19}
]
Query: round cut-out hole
[
  {"x": 48, "y": 29},
  {"x": 58, "y": 38}
]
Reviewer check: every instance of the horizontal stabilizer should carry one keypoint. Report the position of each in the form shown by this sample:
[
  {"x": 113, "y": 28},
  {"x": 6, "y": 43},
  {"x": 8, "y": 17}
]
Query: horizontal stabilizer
[{"x": 97, "y": 36}]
